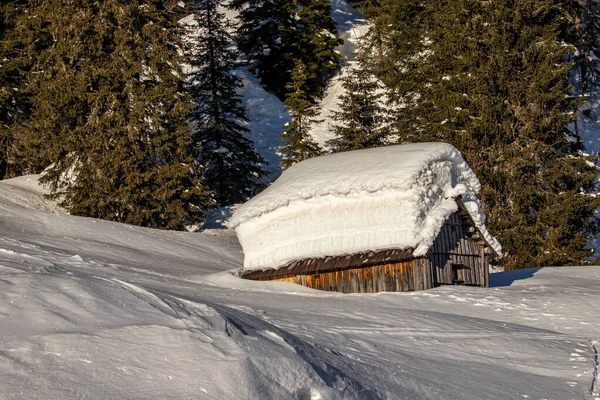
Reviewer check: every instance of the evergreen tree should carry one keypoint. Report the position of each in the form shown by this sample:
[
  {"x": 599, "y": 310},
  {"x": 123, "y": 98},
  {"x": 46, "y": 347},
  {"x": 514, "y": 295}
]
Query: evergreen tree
[
  {"x": 232, "y": 168},
  {"x": 492, "y": 79},
  {"x": 585, "y": 36},
  {"x": 361, "y": 120},
  {"x": 397, "y": 45},
  {"x": 274, "y": 33},
  {"x": 316, "y": 44},
  {"x": 109, "y": 112},
  {"x": 297, "y": 142},
  {"x": 13, "y": 101}
]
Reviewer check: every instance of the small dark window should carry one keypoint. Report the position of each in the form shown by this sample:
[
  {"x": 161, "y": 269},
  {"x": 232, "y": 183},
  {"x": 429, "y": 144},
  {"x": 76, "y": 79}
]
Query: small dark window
[{"x": 455, "y": 269}]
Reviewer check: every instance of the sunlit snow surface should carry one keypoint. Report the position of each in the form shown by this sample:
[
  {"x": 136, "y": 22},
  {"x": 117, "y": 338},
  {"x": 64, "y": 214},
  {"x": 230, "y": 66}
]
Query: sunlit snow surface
[{"x": 98, "y": 310}]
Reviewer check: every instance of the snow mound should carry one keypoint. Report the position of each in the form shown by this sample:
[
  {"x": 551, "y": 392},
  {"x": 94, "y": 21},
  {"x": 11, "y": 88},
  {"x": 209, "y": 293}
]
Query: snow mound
[
  {"x": 365, "y": 200},
  {"x": 27, "y": 192}
]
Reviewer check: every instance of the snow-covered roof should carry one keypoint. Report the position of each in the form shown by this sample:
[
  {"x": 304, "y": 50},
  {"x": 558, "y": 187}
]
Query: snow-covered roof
[{"x": 364, "y": 200}]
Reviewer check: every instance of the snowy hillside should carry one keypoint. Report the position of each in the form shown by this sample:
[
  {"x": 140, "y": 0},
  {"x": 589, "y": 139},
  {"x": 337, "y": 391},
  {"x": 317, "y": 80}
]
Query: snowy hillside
[
  {"x": 266, "y": 113},
  {"x": 351, "y": 25},
  {"x": 92, "y": 309}
]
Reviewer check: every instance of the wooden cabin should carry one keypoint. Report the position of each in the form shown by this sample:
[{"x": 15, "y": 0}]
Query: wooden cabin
[
  {"x": 411, "y": 230},
  {"x": 459, "y": 256}
]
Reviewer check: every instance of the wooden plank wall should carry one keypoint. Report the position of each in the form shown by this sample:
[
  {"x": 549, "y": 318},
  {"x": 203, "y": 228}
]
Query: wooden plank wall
[
  {"x": 454, "y": 247},
  {"x": 397, "y": 277}
]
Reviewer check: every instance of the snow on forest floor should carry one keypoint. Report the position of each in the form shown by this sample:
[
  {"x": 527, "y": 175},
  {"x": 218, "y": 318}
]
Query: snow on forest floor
[
  {"x": 99, "y": 310},
  {"x": 589, "y": 129},
  {"x": 266, "y": 113},
  {"x": 351, "y": 26}
]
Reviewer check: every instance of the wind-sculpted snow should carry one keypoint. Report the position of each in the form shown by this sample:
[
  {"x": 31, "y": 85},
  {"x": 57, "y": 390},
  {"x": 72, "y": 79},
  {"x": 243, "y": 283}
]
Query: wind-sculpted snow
[
  {"x": 98, "y": 310},
  {"x": 394, "y": 197}
]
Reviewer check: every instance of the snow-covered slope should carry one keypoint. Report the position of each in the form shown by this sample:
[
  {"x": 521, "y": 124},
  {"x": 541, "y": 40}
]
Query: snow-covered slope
[
  {"x": 27, "y": 192},
  {"x": 98, "y": 310},
  {"x": 267, "y": 115},
  {"x": 589, "y": 129},
  {"x": 351, "y": 25}
]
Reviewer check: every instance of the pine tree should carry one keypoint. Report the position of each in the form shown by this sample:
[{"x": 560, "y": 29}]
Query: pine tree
[
  {"x": 274, "y": 33},
  {"x": 361, "y": 120},
  {"x": 585, "y": 36},
  {"x": 232, "y": 167},
  {"x": 265, "y": 34},
  {"x": 316, "y": 44},
  {"x": 109, "y": 112},
  {"x": 492, "y": 79},
  {"x": 297, "y": 142}
]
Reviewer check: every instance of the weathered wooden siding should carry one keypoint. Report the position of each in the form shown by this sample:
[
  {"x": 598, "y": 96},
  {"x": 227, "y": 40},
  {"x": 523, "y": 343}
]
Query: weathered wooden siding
[
  {"x": 397, "y": 277},
  {"x": 455, "y": 258}
]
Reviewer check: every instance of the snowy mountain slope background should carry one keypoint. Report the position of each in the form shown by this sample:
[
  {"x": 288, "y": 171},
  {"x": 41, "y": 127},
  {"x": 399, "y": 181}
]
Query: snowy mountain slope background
[
  {"x": 266, "y": 113},
  {"x": 589, "y": 129},
  {"x": 99, "y": 310},
  {"x": 351, "y": 26}
]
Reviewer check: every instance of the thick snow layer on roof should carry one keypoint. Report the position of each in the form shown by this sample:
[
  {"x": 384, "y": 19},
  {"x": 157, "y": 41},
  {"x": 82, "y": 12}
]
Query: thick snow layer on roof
[{"x": 366, "y": 200}]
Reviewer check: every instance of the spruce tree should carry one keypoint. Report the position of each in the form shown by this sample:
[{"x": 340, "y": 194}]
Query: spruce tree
[
  {"x": 584, "y": 34},
  {"x": 492, "y": 79},
  {"x": 586, "y": 38},
  {"x": 316, "y": 44},
  {"x": 298, "y": 145},
  {"x": 274, "y": 33},
  {"x": 109, "y": 112},
  {"x": 361, "y": 119},
  {"x": 14, "y": 65},
  {"x": 232, "y": 167}
]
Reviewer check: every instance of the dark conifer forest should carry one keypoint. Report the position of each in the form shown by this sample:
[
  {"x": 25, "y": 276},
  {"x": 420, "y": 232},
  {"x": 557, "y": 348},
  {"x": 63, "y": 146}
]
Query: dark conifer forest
[{"x": 137, "y": 118}]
